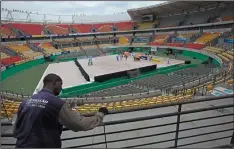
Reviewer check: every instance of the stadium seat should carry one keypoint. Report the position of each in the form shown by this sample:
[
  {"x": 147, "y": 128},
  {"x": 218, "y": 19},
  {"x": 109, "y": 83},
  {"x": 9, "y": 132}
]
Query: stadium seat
[
  {"x": 66, "y": 26},
  {"x": 227, "y": 18},
  {"x": 194, "y": 46},
  {"x": 29, "y": 29},
  {"x": 5, "y": 31},
  {"x": 10, "y": 60},
  {"x": 81, "y": 28},
  {"x": 57, "y": 30},
  {"x": 9, "y": 107},
  {"x": 3, "y": 55},
  {"x": 185, "y": 35},
  {"x": 48, "y": 48},
  {"x": 206, "y": 37},
  {"x": 71, "y": 49},
  {"x": 142, "y": 26},
  {"x": 123, "y": 41},
  {"x": 124, "y": 26},
  {"x": 175, "y": 44},
  {"x": 104, "y": 27},
  {"x": 159, "y": 40},
  {"x": 25, "y": 50},
  {"x": 213, "y": 49},
  {"x": 230, "y": 57}
]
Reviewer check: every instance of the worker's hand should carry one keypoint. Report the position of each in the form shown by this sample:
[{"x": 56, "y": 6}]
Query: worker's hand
[{"x": 103, "y": 110}]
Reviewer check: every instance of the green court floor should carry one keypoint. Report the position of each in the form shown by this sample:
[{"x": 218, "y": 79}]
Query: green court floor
[{"x": 26, "y": 81}]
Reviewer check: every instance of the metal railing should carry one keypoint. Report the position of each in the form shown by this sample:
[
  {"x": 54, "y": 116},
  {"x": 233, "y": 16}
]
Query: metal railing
[{"x": 113, "y": 134}]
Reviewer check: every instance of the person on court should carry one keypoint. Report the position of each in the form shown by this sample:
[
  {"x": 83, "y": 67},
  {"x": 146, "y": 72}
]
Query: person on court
[{"x": 39, "y": 121}]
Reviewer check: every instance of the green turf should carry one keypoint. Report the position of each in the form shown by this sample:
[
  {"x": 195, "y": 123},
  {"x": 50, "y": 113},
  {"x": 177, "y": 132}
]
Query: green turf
[{"x": 25, "y": 81}]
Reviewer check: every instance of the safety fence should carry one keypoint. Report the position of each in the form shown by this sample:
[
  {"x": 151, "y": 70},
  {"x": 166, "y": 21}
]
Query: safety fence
[{"x": 206, "y": 122}]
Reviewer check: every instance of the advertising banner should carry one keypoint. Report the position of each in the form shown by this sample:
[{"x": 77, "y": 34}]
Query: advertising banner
[
  {"x": 9, "y": 66},
  {"x": 65, "y": 52},
  {"x": 28, "y": 36},
  {"x": 229, "y": 40},
  {"x": 38, "y": 36},
  {"x": 3, "y": 68},
  {"x": 141, "y": 39},
  {"x": 154, "y": 49},
  {"x": 19, "y": 62},
  {"x": 13, "y": 36},
  {"x": 72, "y": 51},
  {"x": 39, "y": 57},
  {"x": 4, "y": 36},
  {"x": 180, "y": 39},
  {"x": 57, "y": 53}
]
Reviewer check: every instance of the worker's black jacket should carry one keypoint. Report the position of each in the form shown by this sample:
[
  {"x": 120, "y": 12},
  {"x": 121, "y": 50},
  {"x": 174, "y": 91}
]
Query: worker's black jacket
[{"x": 37, "y": 124}]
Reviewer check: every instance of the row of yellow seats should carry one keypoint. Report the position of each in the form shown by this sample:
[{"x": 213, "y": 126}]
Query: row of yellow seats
[
  {"x": 217, "y": 50},
  {"x": 138, "y": 44},
  {"x": 19, "y": 47},
  {"x": 123, "y": 41},
  {"x": 223, "y": 58},
  {"x": 8, "y": 108},
  {"x": 71, "y": 48},
  {"x": 230, "y": 82},
  {"x": 25, "y": 50},
  {"x": 206, "y": 37},
  {"x": 211, "y": 50},
  {"x": 49, "y": 49},
  {"x": 89, "y": 47},
  {"x": 87, "y": 108},
  {"x": 104, "y": 45},
  {"x": 227, "y": 55},
  {"x": 230, "y": 52},
  {"x": 3, "y": 55},
  {"x": 185, "y": 35},
  {"x": 31, "y": 53},
  {"x": 142, "y": 26}
]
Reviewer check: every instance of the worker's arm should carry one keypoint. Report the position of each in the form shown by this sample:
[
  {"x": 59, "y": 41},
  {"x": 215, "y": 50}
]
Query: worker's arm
[{"x": 76, "y": 122}]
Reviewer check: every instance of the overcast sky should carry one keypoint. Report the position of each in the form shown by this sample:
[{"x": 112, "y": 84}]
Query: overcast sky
[
  {"x": 77, "y": 7},
  {"x": 88, "y": 8}
]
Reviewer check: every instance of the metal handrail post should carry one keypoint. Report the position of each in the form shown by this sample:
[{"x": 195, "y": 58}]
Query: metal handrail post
[
  {"x": 232, "y": 140},
  {"x": 177, "y": 125},
  {"x": 105, "y": 135}
]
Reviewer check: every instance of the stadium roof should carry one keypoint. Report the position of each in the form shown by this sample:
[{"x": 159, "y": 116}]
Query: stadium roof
[{"x": 175, "y": 7}]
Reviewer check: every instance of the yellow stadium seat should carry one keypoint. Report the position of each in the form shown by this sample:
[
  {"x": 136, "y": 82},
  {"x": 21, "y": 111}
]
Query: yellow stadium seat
[
  {"x": 206, "y": 37},
  {"x": 209, "y": 87}
]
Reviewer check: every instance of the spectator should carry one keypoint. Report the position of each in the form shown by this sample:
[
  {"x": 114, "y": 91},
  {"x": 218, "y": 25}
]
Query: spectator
[{"x": 40, "y": 119}]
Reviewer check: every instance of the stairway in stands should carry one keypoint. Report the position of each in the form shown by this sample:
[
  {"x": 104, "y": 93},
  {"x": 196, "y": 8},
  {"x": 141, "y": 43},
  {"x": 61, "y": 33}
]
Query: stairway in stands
[
  {"x": 16, "y": 31},
  {"x": 8, "y": 51},
  {"x": 100, "y": 52},
  {"x": 195, "y": 37},
  {"x": 36, "y": 48},
  {"x": 81, "y": 48}
]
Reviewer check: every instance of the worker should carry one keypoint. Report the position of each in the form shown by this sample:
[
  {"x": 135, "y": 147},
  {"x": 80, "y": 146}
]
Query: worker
[{"x": 40, "y": 119}]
